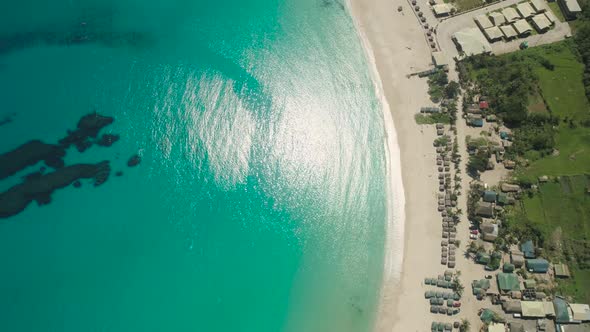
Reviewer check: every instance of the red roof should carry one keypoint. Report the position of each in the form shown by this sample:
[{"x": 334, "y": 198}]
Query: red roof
[{"x": 483, "y": 105}]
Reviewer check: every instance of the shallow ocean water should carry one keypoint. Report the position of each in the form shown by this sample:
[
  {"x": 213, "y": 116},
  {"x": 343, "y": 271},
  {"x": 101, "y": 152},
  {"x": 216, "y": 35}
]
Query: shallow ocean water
[{"x": 260, "y": 202}]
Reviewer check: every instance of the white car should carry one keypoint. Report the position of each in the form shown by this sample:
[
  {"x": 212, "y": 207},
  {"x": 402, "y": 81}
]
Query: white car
[{"x": 473, "y": 236}]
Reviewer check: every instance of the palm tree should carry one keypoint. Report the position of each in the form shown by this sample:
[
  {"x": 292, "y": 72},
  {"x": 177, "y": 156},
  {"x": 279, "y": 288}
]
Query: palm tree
[{"x": 465, "y": 326}]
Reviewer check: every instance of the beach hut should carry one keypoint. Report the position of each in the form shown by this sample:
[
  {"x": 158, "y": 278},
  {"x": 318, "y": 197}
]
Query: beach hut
[
  {"x": 482, "y": 258},
  {"x": 532, "y": 309},
  {"x": 510, "y": 14},
  {"x": 538, "y": 5},
  {"x": 483, "y": 22},
  {"x": 517, "y": 259},
  {"x": 525, "y": 10},
  {"x": 493, "y": 34},
  {"x": 541, "y": 22},
  {"x": 508, "y": 188},
  {"x": 489, "y": 196},
  {"x": 508, "y": 31},
  {"x": 551, "y": 17},
  {"x": 497, "y": 18},
  {"x": 523, "y": 28}
]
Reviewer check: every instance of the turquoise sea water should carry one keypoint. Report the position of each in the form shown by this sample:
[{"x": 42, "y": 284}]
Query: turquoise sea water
[{"x": 260, "y": 201}]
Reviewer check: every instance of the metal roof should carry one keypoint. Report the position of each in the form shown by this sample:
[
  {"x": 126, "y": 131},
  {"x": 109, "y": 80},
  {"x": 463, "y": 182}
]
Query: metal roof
[
  {"x": 472, "y": 41},
  {"x": 522, "y": 26},
  {"x": 573, "y": 6},
  {"x": 525, "y": 9},
  {"x": 497, "y": 18},
  {"x": 581, "y": 311},
  {"x": 541, "y": 22},
  {"x": 510, "y": 14},
  {"x": 483, "y": 21},
  {"x": 533, "y": 309},
  {"x": 538, "y": 5},
  {"x": 551, "y": 17},
  {"x": 508, "y": 31}
]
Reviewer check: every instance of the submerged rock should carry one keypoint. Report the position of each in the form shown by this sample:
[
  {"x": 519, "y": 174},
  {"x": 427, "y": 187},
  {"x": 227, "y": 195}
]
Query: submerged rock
[
  {"x": 107, "y": 140},
  {"x": 77, "y": 184},
  {"x": 119, "y": 173},
  {"x": 134, "y": 161},
  {"x": 29, "y": 154},
  {"x": 40, "y": 188}
]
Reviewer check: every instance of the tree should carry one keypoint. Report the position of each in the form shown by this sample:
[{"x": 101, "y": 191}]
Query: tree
[
  {"x": 465, "y": 325},
  {"x": 452, "y": 90}
]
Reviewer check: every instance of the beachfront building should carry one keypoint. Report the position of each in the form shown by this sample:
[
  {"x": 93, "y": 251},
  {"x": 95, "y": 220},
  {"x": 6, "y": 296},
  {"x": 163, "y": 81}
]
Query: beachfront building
[
  {"x": 509, "y": 32},
  {"x": 510, "y": 14},
  {"x": 517, "y": 259},
  {"x": 443, "y": 9},
  {"x": 532, "y": 309},
  {"x": 483, "y": 22},
  {"x": 551, "y": 17},
  {"x": 537, "y": 265},
  {"x": 525, "y": 10},
  {"x": 538, "y": 5},
  {"x": 493, "y": 34},
  {"x": 541, "y": 22},
  {"x": 570, "y": 8},
  {"x": 471, "y": 41},
  {"x": 497, "y": 18},
  {"x": 508, "y": 282},
  {"x": 522, "y": 27}
]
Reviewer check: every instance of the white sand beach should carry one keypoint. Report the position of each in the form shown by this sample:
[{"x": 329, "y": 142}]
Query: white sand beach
[{"x": 398, "y": 46}]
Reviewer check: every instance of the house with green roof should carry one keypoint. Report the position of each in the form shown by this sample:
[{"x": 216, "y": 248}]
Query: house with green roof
[
  {"x": 508, "y": 268},
  {"x": 489, "y": 196},
  {"x": 528, "y": 249},
  {"x": 538, "y": 265},
  {"x": 508, "y": 282}
]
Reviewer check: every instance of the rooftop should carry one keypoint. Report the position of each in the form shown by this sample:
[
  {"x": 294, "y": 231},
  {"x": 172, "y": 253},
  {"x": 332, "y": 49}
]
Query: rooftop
[
  {"x": 508, "y": 31},
  {"x": 525, "y": 9},
  {"x": 472, "y": 41},
  {"x": 541, "y": 22},
  {"x": 538, "y": 5},
  {"x": 510, "y": 14},
  {"x": 522, "y": 26},
  {"x": 508, "y": 282},
  {"x": 497, "y": 18},
  {"x": 442, "y": 9},
  {"x": 551, "y": 17},
  {"x": 532, "y": 309},
  {"x": 581, "y": 311},
  {"x": 483, "y": 21},
  {"x": 573, "y": 6}
]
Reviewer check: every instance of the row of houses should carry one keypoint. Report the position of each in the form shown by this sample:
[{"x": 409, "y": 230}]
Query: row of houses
[{"x": 510, "y": 23}]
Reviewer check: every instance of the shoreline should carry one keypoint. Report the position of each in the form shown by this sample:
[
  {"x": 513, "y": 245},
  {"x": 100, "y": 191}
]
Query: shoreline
[{"x": 394, "y": 44}]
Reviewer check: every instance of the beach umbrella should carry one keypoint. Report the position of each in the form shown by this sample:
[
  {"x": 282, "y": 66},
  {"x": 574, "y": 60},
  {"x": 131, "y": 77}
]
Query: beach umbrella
[
  {"x": 450, "y": 302},
  {"x": 420, "y": 14},
  {"x": 444, "y": 254},
  {"x": 433, "y": 309},
  {"x": 438, "y": 295},
  {"x": 451, "y": 264},
  {"x": 423, "y": 19}
]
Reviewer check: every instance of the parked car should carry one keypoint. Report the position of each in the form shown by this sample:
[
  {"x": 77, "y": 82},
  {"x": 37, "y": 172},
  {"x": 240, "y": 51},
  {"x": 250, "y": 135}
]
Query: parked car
[
  {"x": 473, "y": 236},
  {"x": 474, "y": 231},
  {"x": 488, "y": 276},
  {"x": 457, "y": 304}
]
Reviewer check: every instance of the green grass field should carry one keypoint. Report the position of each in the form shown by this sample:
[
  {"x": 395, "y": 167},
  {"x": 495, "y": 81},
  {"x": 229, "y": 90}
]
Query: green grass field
[
  {"x": 463, "y": 5},
  {"x": 563, "y": 92},
  {"x": 561, "y": 212}
]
